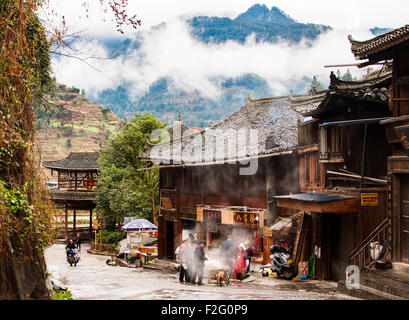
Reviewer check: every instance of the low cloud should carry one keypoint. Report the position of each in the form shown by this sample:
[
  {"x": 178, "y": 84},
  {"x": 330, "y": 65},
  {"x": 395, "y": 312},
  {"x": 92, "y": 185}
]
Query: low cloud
[{"x": 171, "y": 51}]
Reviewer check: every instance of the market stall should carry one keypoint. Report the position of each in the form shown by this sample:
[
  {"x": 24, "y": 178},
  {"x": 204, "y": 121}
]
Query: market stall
[{"x": 142, "y": 238}]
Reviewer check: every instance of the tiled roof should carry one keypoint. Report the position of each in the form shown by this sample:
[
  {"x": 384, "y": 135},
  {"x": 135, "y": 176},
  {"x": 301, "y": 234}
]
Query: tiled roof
[
  {"x": 75, "y": 161},
  {"x": 375, "y": 89},
  {"x": 363, "y": 49},
  {"x": 307, "y": 103},
  {"x": 72, "y": 195},
  {"x": 273, "y": 118}
]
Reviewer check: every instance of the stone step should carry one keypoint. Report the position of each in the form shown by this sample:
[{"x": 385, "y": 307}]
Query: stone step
[
  {"x": 400, "y": 266},
  {"x": 366, "y": 293},
  {"x": 391, "y": 282}
]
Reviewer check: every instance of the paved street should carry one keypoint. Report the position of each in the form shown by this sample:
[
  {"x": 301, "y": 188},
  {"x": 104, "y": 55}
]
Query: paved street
[{"x": 93, "y": 279}]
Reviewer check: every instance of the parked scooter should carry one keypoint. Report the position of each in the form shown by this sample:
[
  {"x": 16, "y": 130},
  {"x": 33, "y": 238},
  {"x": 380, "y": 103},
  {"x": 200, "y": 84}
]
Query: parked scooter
[
  {"x": 281, "y": 261},
  {"x": 73, "y": 257}
]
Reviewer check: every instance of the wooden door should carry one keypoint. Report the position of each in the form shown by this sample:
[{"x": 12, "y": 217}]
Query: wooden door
[{"x": 404, "y": 219}]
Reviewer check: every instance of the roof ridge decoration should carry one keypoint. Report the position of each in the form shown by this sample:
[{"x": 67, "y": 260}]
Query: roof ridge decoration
[
  {"x": 266, "y": 99},
  {"x": 304, "y": 104},
  {"x": 363, "y": 49},
  {"x": 339, "y": 85}
]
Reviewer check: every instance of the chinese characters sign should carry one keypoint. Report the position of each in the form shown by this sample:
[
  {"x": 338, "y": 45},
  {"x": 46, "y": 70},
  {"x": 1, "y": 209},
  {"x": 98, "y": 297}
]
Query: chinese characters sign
[
  {"x": 369, "y": 199},
  {"x": 212, "y": 215},
  {"x": 246, "y": 218}
]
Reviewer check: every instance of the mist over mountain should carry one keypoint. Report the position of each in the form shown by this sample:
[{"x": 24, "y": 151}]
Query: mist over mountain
[{"x": 165, "y": 96}]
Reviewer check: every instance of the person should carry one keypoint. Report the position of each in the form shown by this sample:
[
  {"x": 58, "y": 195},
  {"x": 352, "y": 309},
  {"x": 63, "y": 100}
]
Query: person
[
  {"x": 70, "y": 245},
  {"x": 78, "y": 241},
  {"x": 247, "y": 253},
  {"x": 188, "y": 256},
  {"x": 228, "y": 254},
  {"x": 239, "y": 264},
  {"x": 183, "y": 272},
  {"x": 199, "y": 260}
]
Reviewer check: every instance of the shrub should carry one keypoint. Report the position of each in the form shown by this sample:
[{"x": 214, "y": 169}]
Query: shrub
[{"x": 110, "y": 237}]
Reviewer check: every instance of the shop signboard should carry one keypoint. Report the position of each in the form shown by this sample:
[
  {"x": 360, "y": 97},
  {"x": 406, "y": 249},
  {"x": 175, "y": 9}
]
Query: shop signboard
[
  {"x": 246, "y": 218},
  {"x": 212, "y": 215},
  {"x": 370, "y": 199}
]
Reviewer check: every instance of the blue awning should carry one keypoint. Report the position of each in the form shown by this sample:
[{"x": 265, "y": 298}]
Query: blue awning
[
  {"x": 315, "y": 197},
  {"x": 356, "y": 121}
]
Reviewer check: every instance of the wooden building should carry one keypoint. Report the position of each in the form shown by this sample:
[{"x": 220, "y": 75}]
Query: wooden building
[
  {"x": 77, "y": 177},
  {"x": 394, "y": 46},
  {"x": 205, "y": 192},
  {"x": 342, "y": 151}
]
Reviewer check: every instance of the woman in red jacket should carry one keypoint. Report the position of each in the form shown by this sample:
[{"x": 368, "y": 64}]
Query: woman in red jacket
[{"x": 239, "y": 264}]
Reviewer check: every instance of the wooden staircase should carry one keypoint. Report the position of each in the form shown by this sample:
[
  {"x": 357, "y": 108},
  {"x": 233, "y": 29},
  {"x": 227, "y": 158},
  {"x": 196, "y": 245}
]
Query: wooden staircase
[{"x": 377, "y": 284}]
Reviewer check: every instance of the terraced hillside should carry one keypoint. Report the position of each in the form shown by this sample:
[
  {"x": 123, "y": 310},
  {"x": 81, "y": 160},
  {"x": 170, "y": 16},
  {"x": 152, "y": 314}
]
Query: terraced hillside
[{"x": 70, "y": 123}]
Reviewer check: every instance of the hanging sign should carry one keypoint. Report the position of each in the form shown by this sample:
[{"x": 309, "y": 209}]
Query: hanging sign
[
  {"x": 369, "y": 199},
  {"x": 246, "y": 218},
  {"x": 212, "y": 215},
  {"x": 95, "y": 223},
  {"x": 89, "y": 183}
]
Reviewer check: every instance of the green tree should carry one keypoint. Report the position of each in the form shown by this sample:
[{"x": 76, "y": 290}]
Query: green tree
[
  {"x": 68, "y": 143},
  {"x": 122, "y": 190}
]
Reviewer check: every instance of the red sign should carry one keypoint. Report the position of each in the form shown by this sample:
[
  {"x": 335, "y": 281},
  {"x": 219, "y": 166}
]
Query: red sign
[
  {"x": 89, "y": 183},
  {"x": 212, "y": 215}
]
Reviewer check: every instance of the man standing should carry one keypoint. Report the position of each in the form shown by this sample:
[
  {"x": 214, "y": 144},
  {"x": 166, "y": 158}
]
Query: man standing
[
  {"x": 183, "y": 252},
  {"x": 228, "y": 254},
  {"x": 199, "y": 259}
]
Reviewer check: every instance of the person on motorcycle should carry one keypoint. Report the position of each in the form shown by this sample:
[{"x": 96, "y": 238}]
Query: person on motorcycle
[{"x": 69, "y": 247}]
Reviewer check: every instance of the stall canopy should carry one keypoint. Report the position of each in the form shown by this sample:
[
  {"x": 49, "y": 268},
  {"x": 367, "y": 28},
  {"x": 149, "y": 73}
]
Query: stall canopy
[
  {"x": 138, "y": 225},
  {"x": 319, "y": 202}
]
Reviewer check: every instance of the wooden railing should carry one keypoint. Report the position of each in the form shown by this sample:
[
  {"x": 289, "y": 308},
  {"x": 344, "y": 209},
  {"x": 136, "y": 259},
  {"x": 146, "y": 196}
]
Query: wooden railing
[{"x": 361, "y": 255}]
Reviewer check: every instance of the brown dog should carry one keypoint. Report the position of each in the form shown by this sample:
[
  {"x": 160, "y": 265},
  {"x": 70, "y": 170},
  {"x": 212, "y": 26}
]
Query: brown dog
[{"x": 220, "y": 275}]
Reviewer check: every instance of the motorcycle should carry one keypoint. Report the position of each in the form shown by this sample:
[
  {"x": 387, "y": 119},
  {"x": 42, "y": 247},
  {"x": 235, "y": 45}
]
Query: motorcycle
[
  {"x": 73, "y": 257},
  {"x": 281, "y": 261}
]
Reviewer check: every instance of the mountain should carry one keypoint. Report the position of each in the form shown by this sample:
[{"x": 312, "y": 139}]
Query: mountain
[
  {"x": 376, "y": 31},
  {"x": 71, "y": 123},
  {"x": 267, "y": 25},
  {"x": 165, "y": 99}
]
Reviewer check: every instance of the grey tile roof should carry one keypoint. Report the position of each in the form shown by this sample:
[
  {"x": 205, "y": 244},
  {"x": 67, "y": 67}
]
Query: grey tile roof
[
  {"x": 363, "y": 49},
  {"x": 375, "y": 89},
  {"x": 307, "y": 103},
  {"x": 75, "y": 161},
  {"x": 72, "y": 195},
  {"x": 273, "y": 118}
]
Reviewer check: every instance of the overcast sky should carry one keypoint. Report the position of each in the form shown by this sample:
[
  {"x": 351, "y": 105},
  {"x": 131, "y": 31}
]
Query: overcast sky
[{"x": 172, "y": 52}]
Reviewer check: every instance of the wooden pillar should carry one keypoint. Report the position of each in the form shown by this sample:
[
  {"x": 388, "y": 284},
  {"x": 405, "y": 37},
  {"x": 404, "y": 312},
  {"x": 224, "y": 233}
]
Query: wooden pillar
[
  {"x": 271, "y": 191},
  {"x": 66, "y": 223},
  {"x": 74, "y": 221}
]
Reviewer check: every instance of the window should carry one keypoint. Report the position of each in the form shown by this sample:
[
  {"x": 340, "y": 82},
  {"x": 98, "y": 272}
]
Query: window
[
  {"x": 331, "y": 142},
  {"x": 168, "y": 179}
]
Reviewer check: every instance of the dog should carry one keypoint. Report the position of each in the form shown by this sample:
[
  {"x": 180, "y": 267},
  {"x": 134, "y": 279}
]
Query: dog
[{"x": 220, "y": 275}]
